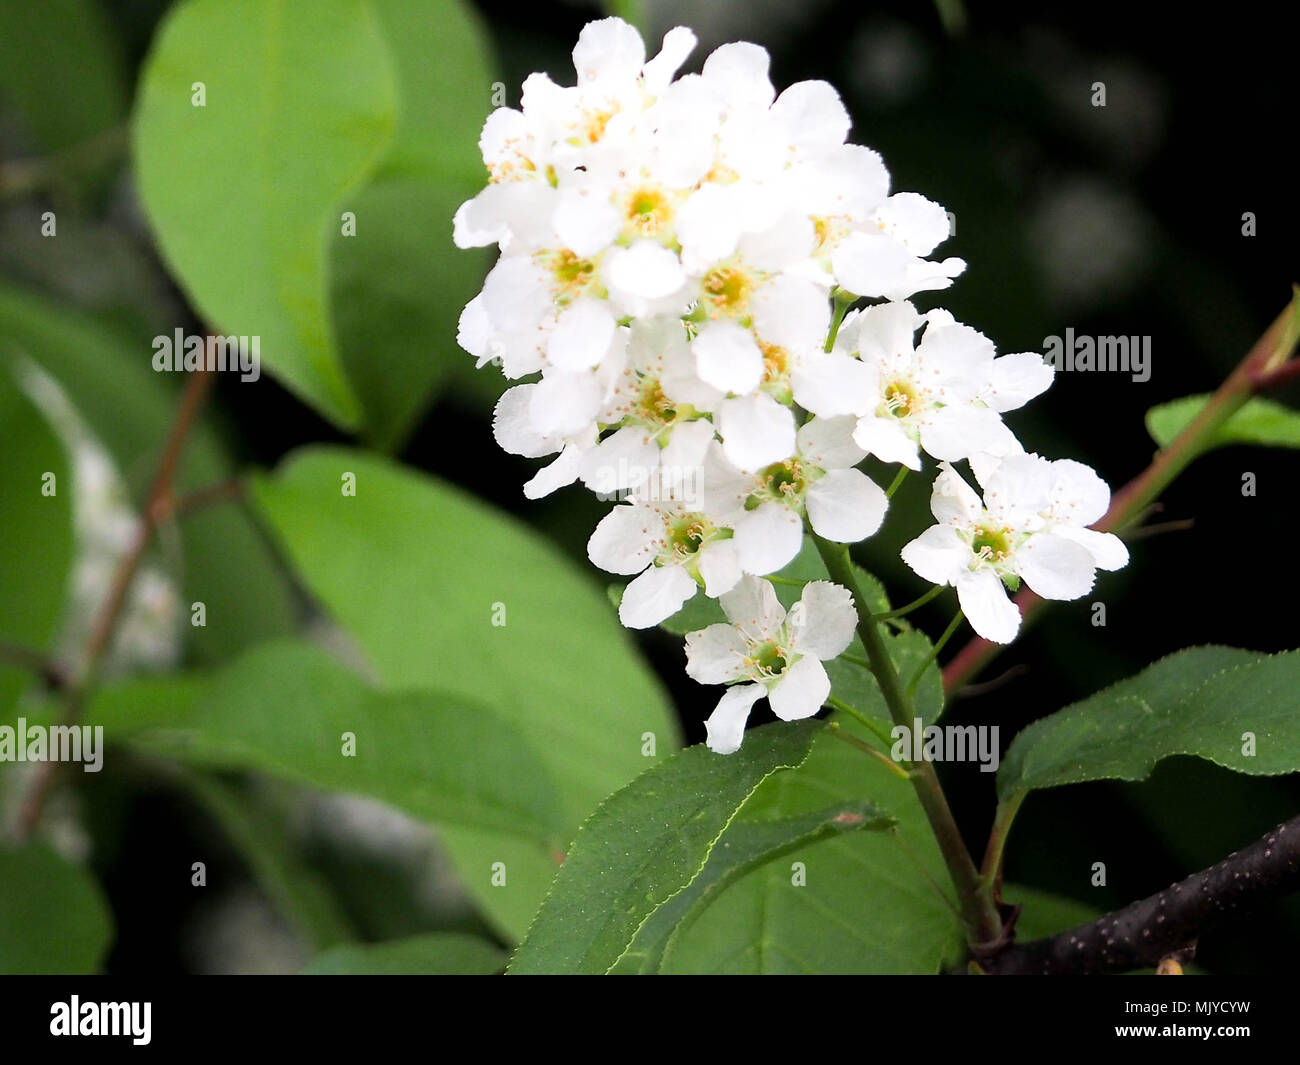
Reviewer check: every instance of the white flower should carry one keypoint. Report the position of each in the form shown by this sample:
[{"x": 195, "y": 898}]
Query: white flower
[
  {"x": 780, "y": 653},
  {"x": 672, "y": 547},
  {"x": 1030, "y": 525},
  {"x": 945, "y": 394},
  {"x": 766, "y": 509}
]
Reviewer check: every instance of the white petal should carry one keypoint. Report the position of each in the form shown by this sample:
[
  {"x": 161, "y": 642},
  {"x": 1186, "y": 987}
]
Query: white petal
[
  {"x": 828, "y": 385},
  {"x": 655, "y": 596},
  {"x": 582, "y": 335},
  {"x": 920, "y": 225},
  {"x": 563, "y": 403},
  {"x": 869, "y": 265},
  {"x": 938, "y": 555},
  {"x": 987, "y": 607},
  {"x": 1017, "y": 379},
  {"x": 727, "y": 357},
  {"x": 586, "y": 224},
  {"x": 791, "y": 313},
  {"x": 828, "y": 443},
  {"x": 606, "y": 48},
  {"x": 716, "y": 655},
  {"x": 646, "y": 270},
  {"x": 726, "y": 725},
  {"x": 622, "y": 462},
  {"x": 756, "y": 431},
  {"x": 767, "y": 538},
  {"x": 1055, "y": 567},
  {"x": 846, "y": 506},
  {"x": 823, "y": 621},
  {"x": 1107, "y": 549},
  {"x": 720, "y": 567},
  {"x": 513, "y": 427},
  {"x": 1079, "y": 495},
  {"x": 887, "y": 440},
  {"x": 953, "y": 501},
  {"x": 678, "y": 43},
  {"x": 752, "y": 606},
  {"x": 623, "y": 542},
  {"x": 740, "y": 72},
  {"x": 801, "y": 691},
  {"x": 563, "y": 471},
  {"x": 813, "y": 114},
  {"x": 956, "y": 432}
]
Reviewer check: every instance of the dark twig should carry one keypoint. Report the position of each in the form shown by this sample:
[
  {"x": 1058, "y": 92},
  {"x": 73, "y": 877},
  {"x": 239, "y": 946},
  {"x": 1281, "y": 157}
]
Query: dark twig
[{"x": 1169, "y": 922}]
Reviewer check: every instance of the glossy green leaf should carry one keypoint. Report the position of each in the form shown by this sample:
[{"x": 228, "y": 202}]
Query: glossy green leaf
[
  {"x": 417, "y": 572},
  {"x": 743, "y": 847},
  {"x": 862, "y": 902},
  {"x": 1202, "y": 701},
  {"x": 437, "y": 954},
  {"x": 399, "y": 284},
  {"x": 644, "y": 845},
  {"x": 54, "y": 919},
  {"x": 243, "y": 191}
]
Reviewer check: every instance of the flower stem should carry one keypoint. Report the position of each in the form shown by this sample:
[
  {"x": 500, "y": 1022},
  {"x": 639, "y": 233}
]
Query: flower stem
[
  {"x": 834, "y": 729},
  {"x": 978, "y": 913},
  {"x": 899, "y": 477},
  {"x": 916, "y": 603},
  {"x": 939, "y": 644}
]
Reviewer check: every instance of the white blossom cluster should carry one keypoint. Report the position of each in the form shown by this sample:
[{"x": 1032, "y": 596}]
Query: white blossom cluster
[{"x": 674, "y": 254}]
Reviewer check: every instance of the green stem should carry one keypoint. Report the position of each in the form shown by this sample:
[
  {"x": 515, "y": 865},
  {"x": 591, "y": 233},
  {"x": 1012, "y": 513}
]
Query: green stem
[
  {"x": 899, "y": 477},
  {"x": 843, "y": 301},
  {"x": 834, "y": 729},
  {"x": 859, "y": 717},
  {"x": 920, "y": 601},
  {"x": 979, "y": 915},
  {"x": 991, "y": 872},
  {"x": 953, "y": 626}
]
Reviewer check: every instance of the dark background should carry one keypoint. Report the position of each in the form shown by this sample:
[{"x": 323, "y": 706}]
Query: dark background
[{"x": 1124, "y": 219}]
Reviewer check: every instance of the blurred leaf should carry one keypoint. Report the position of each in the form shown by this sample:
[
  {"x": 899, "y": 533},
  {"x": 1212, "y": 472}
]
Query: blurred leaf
[
  {"x": 61, "y": 67},
  {"x": 129, "y": 409},
  {"x": 258, "y": 835},
  {"x": 399, "y": 284},
  {"x": 872, "y": 901},
  {"x": 37, "y": 538},
  {"x": 1200, "y": 701},
  {"x": 1044, "y": 914},
  {"x": 284, "y": 709},
  {"x": 300, "y": 105},
  {"x": 55, "y": 920},
  {"x": 439, "y": 954},
  {"x": 416, "y": 570},
  {"x": 741, "y": 848},
  {"x": 644, "y": 845},
  {"x": 1260, "y": 421}
]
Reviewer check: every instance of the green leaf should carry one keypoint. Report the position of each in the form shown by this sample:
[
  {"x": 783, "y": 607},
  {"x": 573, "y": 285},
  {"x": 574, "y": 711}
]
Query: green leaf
[
  {"x": 873, "y": 902},
  {"x": 1259, "y": 421},
  {"x": 399, "y": 284},
  {"x": 36, "y": 545},
  {"x": 129, "y": 409},
  {"x": 54, "y": 920},
  {"x": 438, "y": 954},
  {"x": 646, "y": 843},
  {"x": 286, "y": 709},
  {"x": 416, "y": 571},
  {"x": 243, "y": 192},
  {"x": 258, "y": 834},
  {"x": 1201, "y": 701},
  {"x": 855, "y": 684},
  {"x": 60, "y": 65},
  {"x": 743, "y": 847}
]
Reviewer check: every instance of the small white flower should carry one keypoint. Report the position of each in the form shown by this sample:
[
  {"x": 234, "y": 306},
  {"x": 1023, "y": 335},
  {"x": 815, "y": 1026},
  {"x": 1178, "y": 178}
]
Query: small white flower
[
  {"x": 673, "y": 549},
  {"x": 780, "y": 653},
  {"x": 945, "y": 394},
  {"x": 1030, "y": 525},
  {"x": 766, "y": 508}
]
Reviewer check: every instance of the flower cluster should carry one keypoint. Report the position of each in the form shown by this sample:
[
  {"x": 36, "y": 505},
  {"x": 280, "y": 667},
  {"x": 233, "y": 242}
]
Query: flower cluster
[{"x": 677, "y": 255}]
